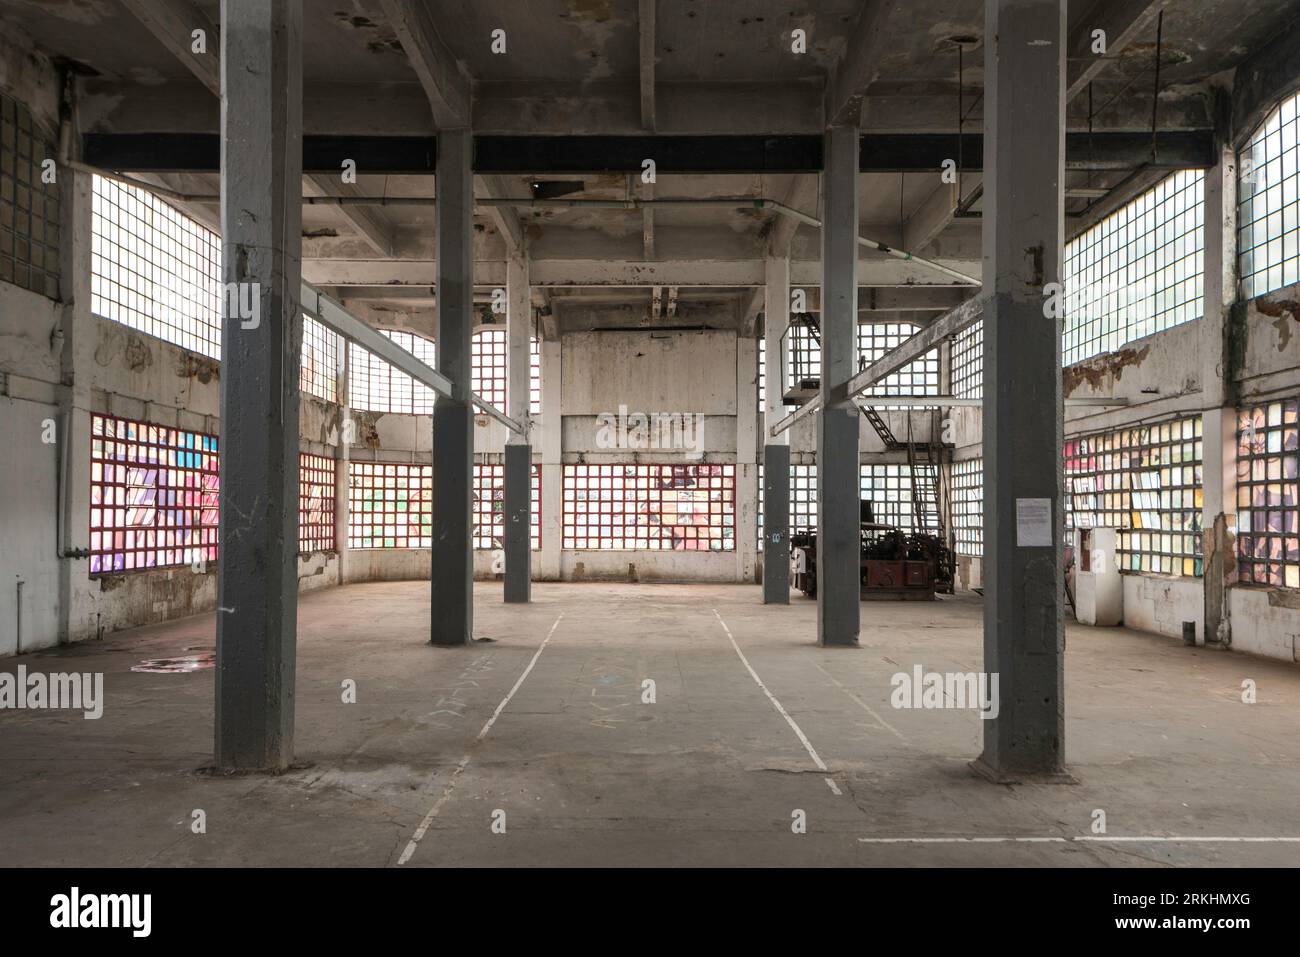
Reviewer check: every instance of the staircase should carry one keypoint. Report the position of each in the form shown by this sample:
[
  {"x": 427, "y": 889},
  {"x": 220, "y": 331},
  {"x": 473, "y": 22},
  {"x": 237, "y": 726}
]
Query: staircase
[{"x": 923, "y": 460}]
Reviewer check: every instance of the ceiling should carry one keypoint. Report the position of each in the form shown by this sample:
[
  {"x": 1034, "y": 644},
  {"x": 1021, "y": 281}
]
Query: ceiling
[{"x": 717, "y": 66}]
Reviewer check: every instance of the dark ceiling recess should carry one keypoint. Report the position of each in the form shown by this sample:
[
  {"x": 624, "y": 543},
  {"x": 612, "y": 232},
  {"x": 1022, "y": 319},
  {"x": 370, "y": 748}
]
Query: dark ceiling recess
[
  {"x": 555, "y": 188},
  {"x": 571, "y": 155}
]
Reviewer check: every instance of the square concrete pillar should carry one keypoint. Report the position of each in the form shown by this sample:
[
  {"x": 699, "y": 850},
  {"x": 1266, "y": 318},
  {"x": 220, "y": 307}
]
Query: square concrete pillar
[
  {"x": 518, "y": 467},
  {"x": 261, "y": 337},
  {"x": 452, "y": 592},
  {"x": 518, "y": 522},
  {"x": 839, "y": 551},
  {"x": 1024, "y": 149},
  {"x": 1219, "y": 420},
  {"x": 776, "y": 448}
]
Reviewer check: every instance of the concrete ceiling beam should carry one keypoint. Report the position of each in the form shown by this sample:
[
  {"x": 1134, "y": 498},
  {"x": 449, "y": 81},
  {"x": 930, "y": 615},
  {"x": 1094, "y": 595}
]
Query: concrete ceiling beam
[{"x": 446, "y": 83}]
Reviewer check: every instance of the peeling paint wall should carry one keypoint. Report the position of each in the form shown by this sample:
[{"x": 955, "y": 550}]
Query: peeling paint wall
[{"x": 135, "y": 376}]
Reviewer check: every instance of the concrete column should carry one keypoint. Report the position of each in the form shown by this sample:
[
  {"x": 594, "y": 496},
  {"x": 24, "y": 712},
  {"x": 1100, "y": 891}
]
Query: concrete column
[
  {"x": 76, "y": 362},
  {"x": 261, "y": 230},
  {"x": 518, "y": 468},
  {"x": 452, "y": 608},
  {"x": 552, "y": 445},
  {"x": 343, "y": 463},
  {"x": 838, "y": 540},
  {"x": 1219, "y": 418},
  {"x": 1024, "y": 147},
  {"x": 776, "y": 449},
  {"x": 747, "y": 420}
]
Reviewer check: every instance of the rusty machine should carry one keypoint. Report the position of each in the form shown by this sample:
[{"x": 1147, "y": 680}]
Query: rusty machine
[{"x": 895, "y": 565}]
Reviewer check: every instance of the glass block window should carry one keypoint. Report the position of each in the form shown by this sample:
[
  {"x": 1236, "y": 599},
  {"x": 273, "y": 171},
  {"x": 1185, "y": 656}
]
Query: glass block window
[
  {"x": 762, "y": 376},
  {"x": 1144, "y": 481},
  {"x": 917, "y": 378},
  {"x": 154, "y": 269},
  {"x": 889, "y": 489},
  {"x": 488, "y": 366},
  {"x": 1138, "y": 271},
  {"x": 29, "y": 208},
  {"x": 968, "y": 506},
  {"x": 656, "y": 507},
  {"x": 318, "y": 373},
  {"x": 153, "y": 496},
  {"x": 1268, "y": 497},
  {"x": 315, "y": 503},
  {"x": 390, "y": 505},
  {"x": 1268, "y": 214},
  {"x": 490, "y": 505},
  {"x": 803, "y": 354},
  {"x": 968, "y": 362},
  {"x": 377, "y": 386},
  {"x": 803, "y": 500},
  {"x": 535, "y": 376}
]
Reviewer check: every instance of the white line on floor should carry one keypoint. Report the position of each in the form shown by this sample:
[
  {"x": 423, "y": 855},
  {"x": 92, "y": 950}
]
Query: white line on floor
[
  {"x": 961, "y": 840},
  {"x": 464, "y": 762},
  {"x": 506, "y": 700},
  {"x": 835, "y": 788},
  {"x": 1091, "y": 839},
  {"x": 812, "y": 752},
  {"x": 1193, "y": 840},
  {"x": 862, "y": 704}
]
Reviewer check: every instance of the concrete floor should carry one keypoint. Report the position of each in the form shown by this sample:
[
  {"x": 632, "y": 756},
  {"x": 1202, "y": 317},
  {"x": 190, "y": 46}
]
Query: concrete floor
[{"x": 710, "y": 774}]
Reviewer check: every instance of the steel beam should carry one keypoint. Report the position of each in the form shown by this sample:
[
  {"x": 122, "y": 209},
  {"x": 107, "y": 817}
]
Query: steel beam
[{"x": 162, "y": 152}]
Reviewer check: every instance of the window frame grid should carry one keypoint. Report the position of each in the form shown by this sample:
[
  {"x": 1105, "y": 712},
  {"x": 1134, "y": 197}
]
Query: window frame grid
[
  {"x": 153, "y": 269},
  {"x": 1268, "y": 462},
  {"x": 179, "y": 532},
  {"x": 30, "y": 214},
  {"x": 968, "y": 362},
  {"x": 406, "y": 485},
  {"x": 636, "y": 513},
  {"x": 316, "y": 512},
  {"x": 534, "y": 376},
  {"x": 374, "y": 385},
  {"x": 968, "y": 506},
  {"x": 318, "y": 374},
  {"x": 489, "y": 503},
  {"x": 803, "y": 500},
  {"x": 1137, "y": 272},
  {"x": 919, "y": 377},
  {"x": 1268, "y": 207},
  {"x": 1109, "y": 484},
  {"x": 888, "y": 486},
  {"x": 489, "y": 357}
]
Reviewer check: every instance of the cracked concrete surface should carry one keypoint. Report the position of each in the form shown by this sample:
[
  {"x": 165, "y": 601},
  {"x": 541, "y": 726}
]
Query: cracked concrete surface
[{"x": 588, "y": 774}]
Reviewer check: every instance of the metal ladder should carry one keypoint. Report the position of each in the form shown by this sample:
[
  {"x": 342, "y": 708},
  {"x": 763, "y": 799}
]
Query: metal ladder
[{"x": 923, "y": 460}]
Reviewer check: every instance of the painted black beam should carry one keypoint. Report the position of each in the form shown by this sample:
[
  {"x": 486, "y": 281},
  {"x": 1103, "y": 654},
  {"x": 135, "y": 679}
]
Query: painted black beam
[
  {"x": 1109, "y": 150},
  {"x": 526, "y": 155},
  {"x": 201, "y": 153},
  {"x": 625, "y": 154}
]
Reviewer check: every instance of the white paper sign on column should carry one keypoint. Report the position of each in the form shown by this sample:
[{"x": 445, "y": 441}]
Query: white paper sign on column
[{"x": 1033, "y": 522}]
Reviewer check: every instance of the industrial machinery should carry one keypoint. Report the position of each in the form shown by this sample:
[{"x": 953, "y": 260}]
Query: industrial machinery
[{"x": 895, "y": 565}]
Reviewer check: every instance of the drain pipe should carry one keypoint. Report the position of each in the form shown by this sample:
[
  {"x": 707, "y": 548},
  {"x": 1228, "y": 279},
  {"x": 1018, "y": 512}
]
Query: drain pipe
[
  {"x": 738, "y": 202},
  {"x": 18, "y": 635}
]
